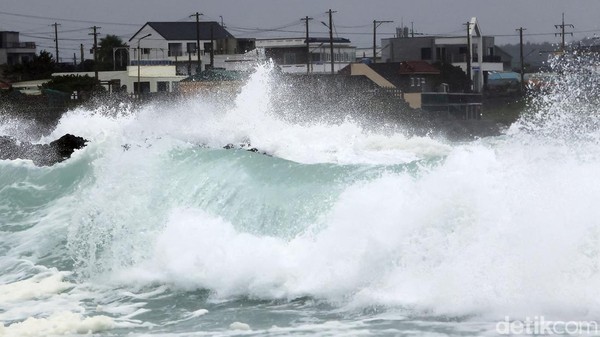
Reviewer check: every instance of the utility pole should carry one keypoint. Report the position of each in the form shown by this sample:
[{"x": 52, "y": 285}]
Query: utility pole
[
  {"x": 521, "y": 29},
  {"x": 226, "y": 38},
  {"x": 95, "y": 33},
  {"x": 56, "y": 40},
  {"x": 197, "y": 15},
  {"x": 212, "y": 47},
  {"x": 306, "y": 19},
  {"x": 469, "y": 54},
  {"x": 562, "y": 32},
  {"x": 375, "y": 25},
  {"x": 331, "y": 40},
  {"x": 81, "y": 54},
  {"x": 412, "y": 29}
]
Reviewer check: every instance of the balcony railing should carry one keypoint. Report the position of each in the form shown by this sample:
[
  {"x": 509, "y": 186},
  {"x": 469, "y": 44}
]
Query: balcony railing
[
  {"x": 492, "y": 58},
  {"x": 22, "y": 45}
]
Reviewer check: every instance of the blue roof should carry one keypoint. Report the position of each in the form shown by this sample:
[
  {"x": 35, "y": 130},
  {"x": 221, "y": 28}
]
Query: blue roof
[{"x": 504, "y": 76}]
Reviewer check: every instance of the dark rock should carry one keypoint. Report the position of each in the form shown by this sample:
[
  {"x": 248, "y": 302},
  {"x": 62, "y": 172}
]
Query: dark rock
[{"x": 41, "y": 154}]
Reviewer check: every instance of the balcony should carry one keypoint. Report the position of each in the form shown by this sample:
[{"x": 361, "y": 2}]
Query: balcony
[{"x": 20, "y": 45}]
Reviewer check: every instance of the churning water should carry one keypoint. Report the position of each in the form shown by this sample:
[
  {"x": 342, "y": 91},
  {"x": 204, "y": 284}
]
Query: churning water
[{"x": 154, "y": 229}]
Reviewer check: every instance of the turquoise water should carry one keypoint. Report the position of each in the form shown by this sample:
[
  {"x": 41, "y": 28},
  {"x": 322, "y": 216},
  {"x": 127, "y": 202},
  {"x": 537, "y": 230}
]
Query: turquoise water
[{"x": 154, "y": 229}]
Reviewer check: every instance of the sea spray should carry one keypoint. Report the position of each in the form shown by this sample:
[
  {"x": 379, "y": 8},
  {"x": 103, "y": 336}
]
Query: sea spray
[{"x": 337, "y": 228}]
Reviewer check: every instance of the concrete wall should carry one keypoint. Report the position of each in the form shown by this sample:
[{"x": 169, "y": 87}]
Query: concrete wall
[
  {"x": 404, "y": 49},
  {"x": 413, "y": 100}
]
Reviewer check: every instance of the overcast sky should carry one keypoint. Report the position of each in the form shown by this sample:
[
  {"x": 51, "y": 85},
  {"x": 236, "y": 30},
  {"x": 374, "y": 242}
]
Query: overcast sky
[{"x": 281, "y": 18}]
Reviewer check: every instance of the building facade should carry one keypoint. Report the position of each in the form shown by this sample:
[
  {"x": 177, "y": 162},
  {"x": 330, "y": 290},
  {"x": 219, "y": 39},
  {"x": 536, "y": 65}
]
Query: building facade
[
  {"x": 176, "y": 43},
  {"x": 13, "y": 51},
  {"x": 481, "y": 55},
  {"x": 291, "y": 54}
]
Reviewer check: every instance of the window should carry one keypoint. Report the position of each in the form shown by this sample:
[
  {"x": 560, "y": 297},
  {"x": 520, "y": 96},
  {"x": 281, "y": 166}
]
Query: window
[
  {"x": 191, "y": 48},
  {"x": 441, "y": 54},
  {"x": 175, "y": 49},
  {"x": 207, "y": 47},
  {"x": 289, "y": 58},
  {"x": 162, "y": 86},
  {"x": 425, "y": 53},
  {"x": 145, "y": 86}
]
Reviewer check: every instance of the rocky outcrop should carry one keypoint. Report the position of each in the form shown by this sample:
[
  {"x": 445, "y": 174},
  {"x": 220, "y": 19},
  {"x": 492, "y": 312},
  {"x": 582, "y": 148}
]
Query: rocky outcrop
[{"x": 41, "y": 154}]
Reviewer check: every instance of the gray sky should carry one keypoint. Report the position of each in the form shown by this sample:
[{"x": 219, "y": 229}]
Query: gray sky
[{"x": 281, "y": 18}]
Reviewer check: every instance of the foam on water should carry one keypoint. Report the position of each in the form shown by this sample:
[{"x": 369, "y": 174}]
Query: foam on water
[
  {"x": 60, "y": 323},
  {"x": 356, "y": 218}
]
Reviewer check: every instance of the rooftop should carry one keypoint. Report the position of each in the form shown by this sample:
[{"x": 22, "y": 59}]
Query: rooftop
[{"x": 186, "y": 31}]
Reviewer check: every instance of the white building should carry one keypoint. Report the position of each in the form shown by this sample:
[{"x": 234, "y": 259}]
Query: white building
[
  {"x": 160, "y": 78},
  {"x": 175, "y": 43},
  {"x": 290, "y": 54}
]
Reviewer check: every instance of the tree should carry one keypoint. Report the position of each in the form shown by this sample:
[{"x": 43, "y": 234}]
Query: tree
[
  {"x": 105, "y": 53},
  {"x": 454, "y": 76},
  {"x": 41, "y": 67},
  {"x": 70, "y": 83}
]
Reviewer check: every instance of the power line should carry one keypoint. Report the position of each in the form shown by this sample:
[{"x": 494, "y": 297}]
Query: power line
[{"x": 69, "y": 20}]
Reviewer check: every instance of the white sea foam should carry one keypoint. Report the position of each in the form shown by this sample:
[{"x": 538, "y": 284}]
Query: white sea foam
[
  {"x": 36, "y": 287},
  {"x": 60, "y": 323},
  {"x": 484, "y": 233},
  {"x": 250, "y": 120},
  {"x": 505, "y": 226}
]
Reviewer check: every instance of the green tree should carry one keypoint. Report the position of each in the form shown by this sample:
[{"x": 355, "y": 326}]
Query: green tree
[
  {"x": 105, "y": 53},
  {"x": 40, "y": 67},
  {"x": 70, "y": 83},
  {"x": 454, "y": 76}
]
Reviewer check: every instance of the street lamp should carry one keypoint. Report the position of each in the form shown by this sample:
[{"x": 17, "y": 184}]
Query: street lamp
[{"x": 139, "y": 89}]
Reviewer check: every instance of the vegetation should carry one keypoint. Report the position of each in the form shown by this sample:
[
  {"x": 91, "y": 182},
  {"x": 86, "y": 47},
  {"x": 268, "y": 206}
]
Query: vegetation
[
  {"x": 41, "y": 67},
  {"x": 72, "y": 83},
  {"x": 455, "y": 77},
  {"x": 105, "y": 53}
]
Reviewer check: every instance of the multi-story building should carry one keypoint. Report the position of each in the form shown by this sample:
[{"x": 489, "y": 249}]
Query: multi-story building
[
  {"x": 291, "y": 54},
  {"x": 481, "y": 55},
  {"x": 176, "y": 43},
  {"x": 12, "y": 51}
]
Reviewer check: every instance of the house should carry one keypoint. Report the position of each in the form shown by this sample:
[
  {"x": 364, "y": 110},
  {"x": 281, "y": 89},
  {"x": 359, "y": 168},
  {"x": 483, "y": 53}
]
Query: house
[
  {"x": 419, "y": 84},
  {"x": 176, "y": 43},
  {"x": 152, "y": 79},
  {"x": 291, "y": 55},
  {"x": 13, "y": 51},
  {"x": 476, "y": 59}
]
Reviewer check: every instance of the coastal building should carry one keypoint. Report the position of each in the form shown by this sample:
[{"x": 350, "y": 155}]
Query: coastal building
[
  {"x": 176, "y": 43},
  {"x": 477, "y": 58},
  {"x": 152, "y": 79},
  {"x": 290, "y": 54},
  {"x": 13, "y": 51},
  {"x": 420, "y": 85}
]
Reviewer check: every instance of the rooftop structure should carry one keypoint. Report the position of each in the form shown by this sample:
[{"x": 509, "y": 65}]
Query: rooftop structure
[{"x": 13, "y": 51}]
